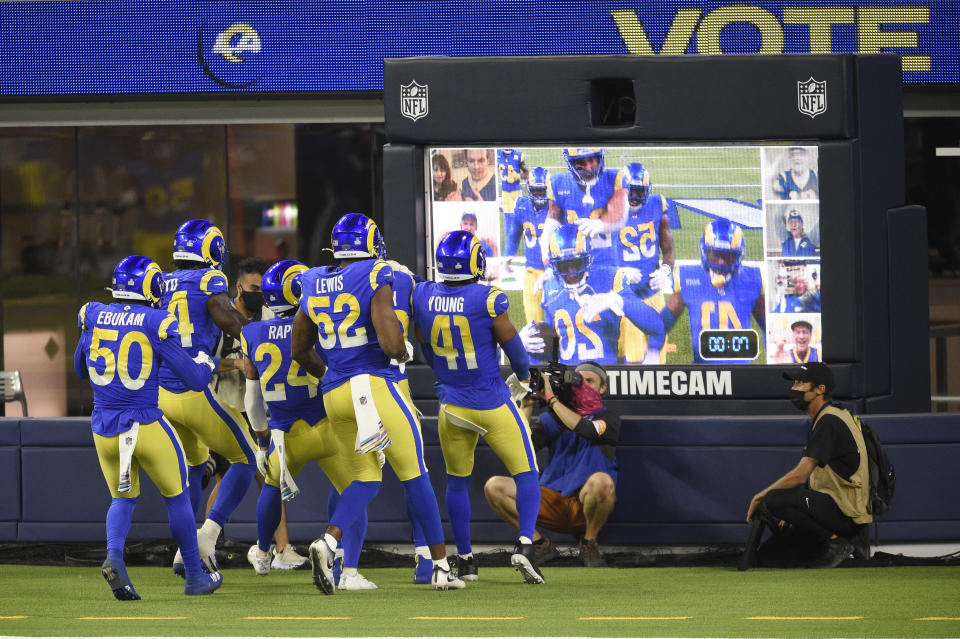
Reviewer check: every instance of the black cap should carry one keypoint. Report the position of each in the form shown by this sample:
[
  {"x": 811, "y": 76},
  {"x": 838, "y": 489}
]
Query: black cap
[
  {"x": 813, "y": 372},
  {"x": 801, "y": 323}
]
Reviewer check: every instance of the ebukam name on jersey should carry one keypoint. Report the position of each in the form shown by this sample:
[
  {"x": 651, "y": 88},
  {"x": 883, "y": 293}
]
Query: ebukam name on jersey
[
  {"x": 106, "y": 318},
  {"x": 670, "y": 383},
  {"x": 873, "y": 24}
]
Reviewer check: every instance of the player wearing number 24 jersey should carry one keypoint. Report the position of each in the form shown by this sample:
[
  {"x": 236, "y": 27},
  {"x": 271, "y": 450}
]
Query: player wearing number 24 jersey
[
  {"x": 721, "y": 293},
  {"x": 461, "y": 323},
  {"x": 120, "y": 350}
]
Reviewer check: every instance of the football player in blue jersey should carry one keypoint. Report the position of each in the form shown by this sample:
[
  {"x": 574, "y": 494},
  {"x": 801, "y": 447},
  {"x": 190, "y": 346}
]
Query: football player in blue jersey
[
  {"x": 799, "y": 182},
  {"x": 461, "y": 323},
  {"x": 588, "y": 196},
  {"x": 588, "y": 305},
  {"x": 120, "y": 350},
  {"x": 348, "y": 309},
  {"x": 299, "y": 431},
  {"x": 798, "y": 244},
  {"x": 196, "y": 293},
  {"x": 721, "y": 292},
  {"x": 527, "y": 221},
  {"x": 512, "y": 171},
  {"x": 645, "y": 243}
]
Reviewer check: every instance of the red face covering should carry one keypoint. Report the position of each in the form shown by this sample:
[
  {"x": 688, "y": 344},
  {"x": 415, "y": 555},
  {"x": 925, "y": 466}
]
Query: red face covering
[{"x": 586, "y": 400}]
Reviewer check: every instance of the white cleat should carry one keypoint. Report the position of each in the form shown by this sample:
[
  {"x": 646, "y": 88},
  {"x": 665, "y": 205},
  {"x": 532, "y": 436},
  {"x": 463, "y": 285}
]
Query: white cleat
[
  {"x": 355, "y": 582},
  {"x": 178, "y": 567},
  {"x": 445, "y": 580},
  {"x": 260, "y": 559},
  {"x": 287, "y": 559},
  {"x": 321, "y": 560}
]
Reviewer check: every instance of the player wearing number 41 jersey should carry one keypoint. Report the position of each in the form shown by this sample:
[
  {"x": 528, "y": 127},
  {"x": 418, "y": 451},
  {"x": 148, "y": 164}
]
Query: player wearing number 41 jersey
[
  {"x": 461, "y": 322},
  {"x": 196, "y": 294},
  {"x": 120, "y": 349},
  {"x": 349, "y": 311}
]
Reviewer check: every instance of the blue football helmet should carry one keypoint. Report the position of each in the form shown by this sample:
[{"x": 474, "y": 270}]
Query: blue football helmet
[
  {"x": 722, "y": 249},
  {"x": 569, "y": 255},
  {"x": 200, "y": 241},
  {"x": 138, "y": 277},
  {"x": 637, "y": 180},
  {"x": 538, "y": 183},
  {"x": 583, "y": 176},
  {"x": 460, "y": 256},
  {"x": 281, "y": 285},
  {"x": 356, "y": 235}
]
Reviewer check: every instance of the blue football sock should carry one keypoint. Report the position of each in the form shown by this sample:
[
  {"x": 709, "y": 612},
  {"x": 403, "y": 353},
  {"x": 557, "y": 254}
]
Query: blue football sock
[
  {"x": 458, "y": 506},
  {"x": 419, "y": 539},
  {"x": 195, "y": 476},
  {"x": 119, "y": 518},
  {"x": 424, "y": 508},
  {"x": 233, "y": 486},
  {"x": 528, "y": 502},
  {"x": 352, "y": 541},
  {"x": 183, "y": 526},
  {"x": 269, "y": 511},
  {"x": 352, "y": 503}
]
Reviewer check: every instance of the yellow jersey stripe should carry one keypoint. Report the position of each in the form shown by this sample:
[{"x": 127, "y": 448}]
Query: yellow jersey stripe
[
  {"x": 374, "y": 272},
  {"x": 492, "y": 300},
  {"x": 165, "y": 326},
  {"x": 83, "y": 316}
]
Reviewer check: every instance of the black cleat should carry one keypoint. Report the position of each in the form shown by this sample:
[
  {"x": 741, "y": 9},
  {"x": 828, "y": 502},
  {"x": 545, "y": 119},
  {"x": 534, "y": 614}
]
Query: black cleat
[
  {"x": 524, "y": 560},
  {"x": 544, "y": 551},
  {"x": 466, "y": 569}
]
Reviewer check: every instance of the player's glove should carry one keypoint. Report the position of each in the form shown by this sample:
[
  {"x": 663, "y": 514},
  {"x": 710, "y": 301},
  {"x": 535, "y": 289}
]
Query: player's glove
[
  {"x": 542, "y": 280},
  {"x": 592, "y": 227},
  {"x": 519, "y": 388},
  {"x": 203, "y": 358},
  {"x": 593, "y": 305},
  {"x": 632, "y": 275},
  {"x": 530, "y": 336},
  {"x": 401, "y": 362},
  {"x": 261, "y": 456},
  {"x": 661, "y": 279}
]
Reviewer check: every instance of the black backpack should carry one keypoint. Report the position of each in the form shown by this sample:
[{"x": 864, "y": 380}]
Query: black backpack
[{"x": 883, "y": 478}]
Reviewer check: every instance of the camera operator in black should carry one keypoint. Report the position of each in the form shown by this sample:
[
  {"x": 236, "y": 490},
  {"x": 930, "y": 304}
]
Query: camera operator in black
[
  {"x": 578, "y": 483},
  {"x": 833, "y": 508}
]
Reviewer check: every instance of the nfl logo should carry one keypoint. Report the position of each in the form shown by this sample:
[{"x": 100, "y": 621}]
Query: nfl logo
[
  {"x": 128, "y": 441},
  {"x": 363, "y": 400},
  {"x": 812, "y": 97},
  {"x": 413, "y": 100}
]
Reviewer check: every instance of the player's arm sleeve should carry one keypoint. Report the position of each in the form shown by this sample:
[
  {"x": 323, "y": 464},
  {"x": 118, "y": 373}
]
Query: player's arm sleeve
[
  {"x": 253, "y": 402},
  {"x": 517, "y": 354},
  {"x": 195, "y": 376},
  {"x": 641, "y": 314},
  {"x": 512, "y": 232},
  {"x": 80, "y": 356}
]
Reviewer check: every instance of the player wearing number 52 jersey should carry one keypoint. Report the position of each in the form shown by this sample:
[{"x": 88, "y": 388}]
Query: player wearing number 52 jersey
[
  {"x": 348, "y": 310},
  {"x": 720, "y": 293},
  {"x": 196, "y": 294},
  {"x": 298, "y": 425},
  {"x": 461, "y": 322},
  {"x": 120, "y": 349}
]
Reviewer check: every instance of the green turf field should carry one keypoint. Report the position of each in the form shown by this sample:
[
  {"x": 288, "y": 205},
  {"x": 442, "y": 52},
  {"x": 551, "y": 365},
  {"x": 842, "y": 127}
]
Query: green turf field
[{"x": 611, "y": 602}]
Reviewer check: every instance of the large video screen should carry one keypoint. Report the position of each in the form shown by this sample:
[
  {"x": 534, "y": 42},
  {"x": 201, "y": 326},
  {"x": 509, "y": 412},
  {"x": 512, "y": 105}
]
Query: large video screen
[{"x": 645, "y": 255}]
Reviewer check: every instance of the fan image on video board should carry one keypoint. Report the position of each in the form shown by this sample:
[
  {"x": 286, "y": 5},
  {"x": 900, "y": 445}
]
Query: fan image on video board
[{"x": 644, "y": 255}]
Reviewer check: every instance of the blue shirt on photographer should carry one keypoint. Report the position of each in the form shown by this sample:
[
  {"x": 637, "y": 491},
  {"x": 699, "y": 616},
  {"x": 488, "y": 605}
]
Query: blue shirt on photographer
[{"x": 576, "y": 454}]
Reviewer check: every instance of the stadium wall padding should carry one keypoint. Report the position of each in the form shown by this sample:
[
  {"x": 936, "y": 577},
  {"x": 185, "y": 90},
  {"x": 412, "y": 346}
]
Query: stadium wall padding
[{"x": 683, "y": 480}]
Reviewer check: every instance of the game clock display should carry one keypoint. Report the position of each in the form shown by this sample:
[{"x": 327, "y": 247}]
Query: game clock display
[{"x": 729, "y": 344}]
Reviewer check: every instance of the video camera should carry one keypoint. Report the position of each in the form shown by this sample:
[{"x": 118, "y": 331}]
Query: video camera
[{"x": 563, "y": 378}]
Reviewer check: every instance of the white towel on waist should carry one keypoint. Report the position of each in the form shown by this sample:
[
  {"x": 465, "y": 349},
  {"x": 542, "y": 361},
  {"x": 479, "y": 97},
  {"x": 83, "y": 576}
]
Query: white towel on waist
[
  {"x": 127, "y": 442},
  {"x": 462, "y": 422},
  {"x": 288, "y": 487},
  {"x": 370, "y": 432}
]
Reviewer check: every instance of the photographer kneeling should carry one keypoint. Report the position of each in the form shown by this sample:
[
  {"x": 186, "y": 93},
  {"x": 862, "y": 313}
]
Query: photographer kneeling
[{"x": 577, "y": 486}]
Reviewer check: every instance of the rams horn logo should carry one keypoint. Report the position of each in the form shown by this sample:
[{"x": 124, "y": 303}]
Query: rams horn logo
[{"x": 233, "y": 51}]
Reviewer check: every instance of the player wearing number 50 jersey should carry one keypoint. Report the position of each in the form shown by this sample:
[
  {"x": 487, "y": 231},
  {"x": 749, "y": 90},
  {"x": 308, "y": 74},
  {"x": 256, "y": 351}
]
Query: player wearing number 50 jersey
[
  {"x": 120, "y": 349},
  {"x": 196, "y": 294},
  {"x": 461, "y": 322},
  {"x": 721, "y": 292},
  {"x": 348, "y": 310}
]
